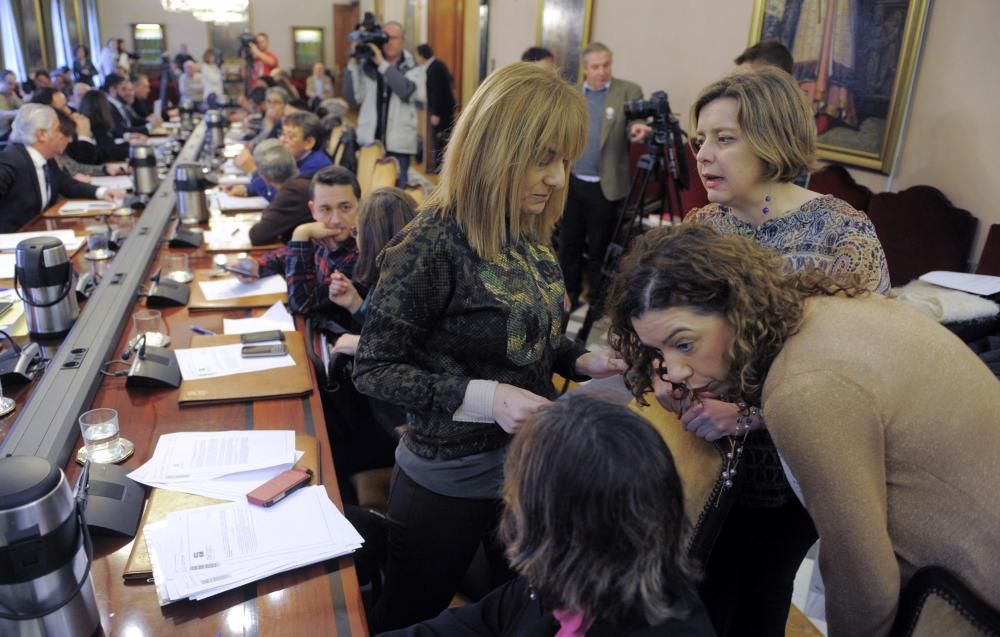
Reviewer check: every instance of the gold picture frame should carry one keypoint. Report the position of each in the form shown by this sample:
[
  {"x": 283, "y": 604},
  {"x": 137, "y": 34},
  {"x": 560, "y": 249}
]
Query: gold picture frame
[
  {"x": 564, "y": 29},
  {"x": 308, "y": 46},
  {"x": 856, "y": 60}
]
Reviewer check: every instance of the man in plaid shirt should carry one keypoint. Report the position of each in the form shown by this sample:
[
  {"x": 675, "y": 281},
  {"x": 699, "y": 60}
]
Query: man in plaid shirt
[{"x": 318, "y": 248}]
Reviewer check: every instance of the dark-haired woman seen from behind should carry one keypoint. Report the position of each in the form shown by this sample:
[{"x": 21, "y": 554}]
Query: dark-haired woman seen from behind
[
  {"x": 754, "y": 135},
  {"x": 381, "y": 216},
  {"x": 598, "y": 552},
  {"x": 464, "y": 331},
  {"x": 97, "y": 108},
  {"x": 83, "y": 69},
  {"x": 886, "y": 423}
]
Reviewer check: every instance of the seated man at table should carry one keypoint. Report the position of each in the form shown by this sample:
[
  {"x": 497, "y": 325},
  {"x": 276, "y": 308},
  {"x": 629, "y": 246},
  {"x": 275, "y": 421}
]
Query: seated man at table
[
  {"x": 319, "y": 248},
  {"x": 290, "y": 207},
  {"x": 30, "y": 179},
  {"x": 302, "y": 135}
]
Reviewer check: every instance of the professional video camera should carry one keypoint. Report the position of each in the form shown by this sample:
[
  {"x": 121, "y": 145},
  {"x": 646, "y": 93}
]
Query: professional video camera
[
  {"x": 667, "y": 133},
  {"x": 368, "y": 31}
]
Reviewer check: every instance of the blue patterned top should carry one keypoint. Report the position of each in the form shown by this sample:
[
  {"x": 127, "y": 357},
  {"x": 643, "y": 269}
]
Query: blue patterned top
[{"x": 824, "y": 232}]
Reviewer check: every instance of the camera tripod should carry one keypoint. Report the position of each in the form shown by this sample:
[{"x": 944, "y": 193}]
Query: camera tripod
[{"x": 664, "y": 145}]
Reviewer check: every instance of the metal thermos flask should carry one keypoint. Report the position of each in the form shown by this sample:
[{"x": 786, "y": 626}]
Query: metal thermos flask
[
  {"x": 142, "y": 159},
  {"x": 45, "y": 555},
  {"x": 187, "y": 115},
  {"x": 43, "y": 278},
  {"x": 189, "y": 184},
  {"x": 215, "y": 133}
]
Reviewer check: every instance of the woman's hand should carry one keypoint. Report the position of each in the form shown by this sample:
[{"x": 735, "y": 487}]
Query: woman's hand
[
  {"x": 513, "y": 406},
  {"x": 236, "y": 190},
  {"x": 343, "y": 292},
  {"x": 672, "y": 398},
  {"x": 711, "y": 418},
  {"x": 346, "y": 344},
  {"x": 601, "y": 363}
]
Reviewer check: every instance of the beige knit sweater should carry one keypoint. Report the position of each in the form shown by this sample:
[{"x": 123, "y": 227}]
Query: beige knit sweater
[{"x": 891, "y": 426}]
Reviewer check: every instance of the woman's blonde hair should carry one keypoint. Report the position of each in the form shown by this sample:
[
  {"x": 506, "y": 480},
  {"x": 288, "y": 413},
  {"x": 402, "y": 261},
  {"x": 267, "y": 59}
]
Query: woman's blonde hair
[
  {"x": 515, "y": 118},
  {"x": 773, "y": 116}
]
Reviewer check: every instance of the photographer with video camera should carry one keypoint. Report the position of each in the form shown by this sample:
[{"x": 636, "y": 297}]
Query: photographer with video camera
[
  {"x": 600, "y": 177},
  {"x": 264, "y": 61},
  {"x": 387, "y": 83}
]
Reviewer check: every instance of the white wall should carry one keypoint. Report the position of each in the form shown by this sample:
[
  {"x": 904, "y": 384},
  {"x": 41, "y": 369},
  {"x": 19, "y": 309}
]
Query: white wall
[
  {"x": 276, "y": 17},
  {"x": 679, "y": 46}
]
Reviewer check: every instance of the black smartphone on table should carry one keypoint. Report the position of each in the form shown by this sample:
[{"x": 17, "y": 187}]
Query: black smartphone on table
[{"x": 258, "y": 351}]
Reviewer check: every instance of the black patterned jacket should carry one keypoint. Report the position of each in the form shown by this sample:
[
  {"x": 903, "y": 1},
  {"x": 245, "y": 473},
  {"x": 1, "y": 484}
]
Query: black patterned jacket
[{"x": 441, "y": 316}]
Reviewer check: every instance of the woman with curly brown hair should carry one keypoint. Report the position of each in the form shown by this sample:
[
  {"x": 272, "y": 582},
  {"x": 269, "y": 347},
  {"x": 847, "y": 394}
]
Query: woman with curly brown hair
[
  {"x": 754, "y": 135},
  {"x": 850, "y": 385}
]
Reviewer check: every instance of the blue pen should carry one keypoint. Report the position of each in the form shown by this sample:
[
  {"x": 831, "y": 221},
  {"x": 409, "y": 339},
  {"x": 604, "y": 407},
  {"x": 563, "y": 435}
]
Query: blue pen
[{"x": 202, "y": 330}]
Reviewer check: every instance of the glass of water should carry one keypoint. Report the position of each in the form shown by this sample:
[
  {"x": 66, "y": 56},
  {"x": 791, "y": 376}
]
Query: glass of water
[
  {"x": 176, "y": 267},
  {"x": 101, "y": 437}
]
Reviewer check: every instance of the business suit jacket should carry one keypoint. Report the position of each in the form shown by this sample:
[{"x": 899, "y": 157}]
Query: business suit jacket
[
  {"x": 288, "y": 210},
  {"x": 120, "y": 124},
  {"x": 440, "y": 93},
  {"x": 614, "y": 139},
  {"x": 20, "y": 199}
]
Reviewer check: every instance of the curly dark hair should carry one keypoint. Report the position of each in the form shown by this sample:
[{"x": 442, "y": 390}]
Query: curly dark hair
[
  {"x": 606, "y": 541},
  {"x": 694, "y": 266}
]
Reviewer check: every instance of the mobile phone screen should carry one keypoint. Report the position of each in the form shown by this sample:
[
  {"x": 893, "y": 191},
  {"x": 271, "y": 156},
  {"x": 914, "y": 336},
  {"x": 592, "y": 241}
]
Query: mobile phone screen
[{"x": 253, "y": 351}]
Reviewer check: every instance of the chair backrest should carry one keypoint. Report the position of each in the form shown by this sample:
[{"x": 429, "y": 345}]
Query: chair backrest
[
  {"x": 333, "y": 144},
  {"x": 416, "y": 191},
  {"x": 934, "y": 603},
  {"x": 368, "y": 157},
  {"x": 989, "y": 260},
  {"x": 835, "y": 180},
  {"x": 385, "y": 175},
  {"x": 699, "y": 464},
  {"x": 921, "y": 231}
]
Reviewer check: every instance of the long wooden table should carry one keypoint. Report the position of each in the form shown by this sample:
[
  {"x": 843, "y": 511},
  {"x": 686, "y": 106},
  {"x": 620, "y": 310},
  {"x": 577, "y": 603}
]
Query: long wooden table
[{"x": 318, "y": 599}]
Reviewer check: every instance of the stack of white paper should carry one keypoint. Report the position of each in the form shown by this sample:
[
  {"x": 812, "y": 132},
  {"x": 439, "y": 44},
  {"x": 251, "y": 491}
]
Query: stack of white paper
[
  {"x": 8, "y": 242},
  {"x": 275, "y": 318},
  {"x": 233, "y": 288},
  {"x": 197, "y": 553},
  {"x": 120, "y": 181},
  {"x": 218, "y": 464},
  {"x": 231, "y": 202},
  {"x": 199, "y": 363}
]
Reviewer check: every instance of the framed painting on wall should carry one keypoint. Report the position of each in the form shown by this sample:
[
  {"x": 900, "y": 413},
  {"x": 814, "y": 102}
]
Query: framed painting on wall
[
  {"x": 307, "y": 46},
  {"x": 564, "y": 29},
  {"x": 855, "y": 60}
]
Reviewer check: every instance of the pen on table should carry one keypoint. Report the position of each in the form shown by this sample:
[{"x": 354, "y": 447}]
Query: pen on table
[
  {"x": 202, "y": 330},
  {"x": 235, "y": 230}
]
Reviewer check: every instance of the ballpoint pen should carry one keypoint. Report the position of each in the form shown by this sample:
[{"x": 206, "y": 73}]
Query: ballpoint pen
[{"x": 202, "y": 330}]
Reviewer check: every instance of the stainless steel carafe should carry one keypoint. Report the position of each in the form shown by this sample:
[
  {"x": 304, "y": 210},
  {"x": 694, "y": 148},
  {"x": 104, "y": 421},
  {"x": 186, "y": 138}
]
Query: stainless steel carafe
[
  {"x": 142, "y": 159},
  {"x": 189, "y": 183},
  {"x": 215, "y": 132},
  {"x": 45, "y": 582},
  {"x": 43, "y": 278}
]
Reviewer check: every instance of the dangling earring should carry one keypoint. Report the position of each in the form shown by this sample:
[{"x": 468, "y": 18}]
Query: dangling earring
[{"x": 767, "y": 200}]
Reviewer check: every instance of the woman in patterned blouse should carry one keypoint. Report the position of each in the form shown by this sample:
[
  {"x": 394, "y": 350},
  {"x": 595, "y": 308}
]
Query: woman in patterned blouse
[{"x": 755, "y": 134}]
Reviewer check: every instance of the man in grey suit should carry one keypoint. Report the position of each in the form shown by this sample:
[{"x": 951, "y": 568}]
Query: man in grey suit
[{"x": 600, "y": 177}]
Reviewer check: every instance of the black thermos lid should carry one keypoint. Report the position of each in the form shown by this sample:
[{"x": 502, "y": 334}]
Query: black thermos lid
[{"x": 25, "y": 479}]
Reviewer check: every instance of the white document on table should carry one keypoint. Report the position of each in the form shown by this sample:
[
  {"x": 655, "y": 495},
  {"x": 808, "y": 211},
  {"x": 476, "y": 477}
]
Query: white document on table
[
  {"x": 198, "y": 363},
  {"x": 232, "y": 202},
  {"x": 234, "y": 180},
  {"x": 232, "y": 234},
  {"x": 8, "y": 261},
  {"x": 121, "y": 181},
  {"x": 205, "y": 455},
  {"x": 275, "y": 318},
  {"x": 8, "y": 242},
  {"x": 86, "y": 207},
  {"x": 981, "y": 284},
  {"x": 233, "y": 288},
  {"x": 230, "y": 168},
  {"x": 234, "y": 486},
  {"x": 232, "y": 150},
  {"x": 200, "y": 552}
]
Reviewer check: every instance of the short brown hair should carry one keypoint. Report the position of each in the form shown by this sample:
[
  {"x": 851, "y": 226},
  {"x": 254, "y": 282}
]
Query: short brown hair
[
  {"x": 769, "y": 52},
  {"x": 774, "y": 117},
  {"x": 594, "y": 47},
  {"x": 381, "y": 216}
]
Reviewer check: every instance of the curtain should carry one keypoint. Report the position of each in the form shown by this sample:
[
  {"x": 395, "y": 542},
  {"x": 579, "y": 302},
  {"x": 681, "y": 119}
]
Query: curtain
[
  {"x": 60, "y": 35},
  {"x": 93, "y": 32},
  {"x": 13, "y": 57}
]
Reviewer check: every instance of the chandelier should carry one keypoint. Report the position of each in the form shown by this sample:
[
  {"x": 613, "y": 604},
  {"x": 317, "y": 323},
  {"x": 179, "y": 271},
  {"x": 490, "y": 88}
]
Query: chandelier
[{"x": 222, "y": 11}]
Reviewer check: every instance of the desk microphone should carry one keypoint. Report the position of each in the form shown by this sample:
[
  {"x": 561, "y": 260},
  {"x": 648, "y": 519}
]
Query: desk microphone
[
  {"x": 166, "y": 292},
  {"x": 20, "y": 365},
  {"x": 152, "y": 367}
]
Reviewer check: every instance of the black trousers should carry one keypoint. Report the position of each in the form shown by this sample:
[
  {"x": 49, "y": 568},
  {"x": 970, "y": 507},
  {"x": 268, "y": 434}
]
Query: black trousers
[
  {"x": 587, "y": 226},
  {"x": 432, "y": 540},
  {"x": 749, "y": 576}
]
